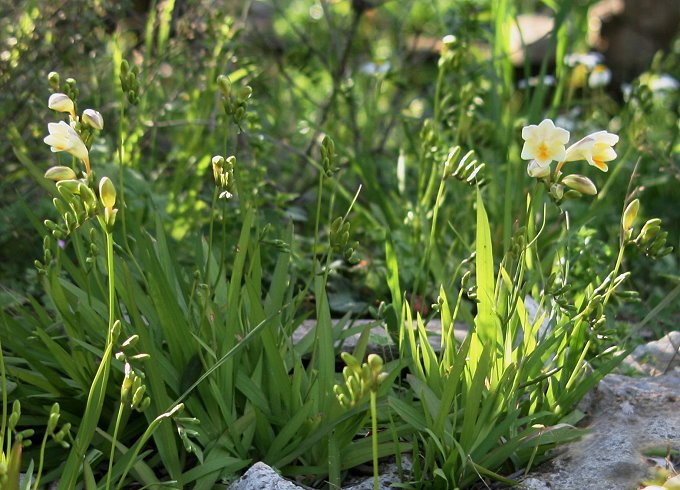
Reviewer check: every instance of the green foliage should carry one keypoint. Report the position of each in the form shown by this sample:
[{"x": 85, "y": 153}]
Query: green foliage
[{"x": 366, "y": 159}]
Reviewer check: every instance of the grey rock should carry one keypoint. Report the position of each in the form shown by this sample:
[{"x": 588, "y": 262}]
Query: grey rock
[
  {"x": 260, "y": 477},
  {"x": 379, "y": 339},
  {"x": 389, "y": 474},
  {"x": 629, "y": 416},
  {"x": 657, "y": 357}
]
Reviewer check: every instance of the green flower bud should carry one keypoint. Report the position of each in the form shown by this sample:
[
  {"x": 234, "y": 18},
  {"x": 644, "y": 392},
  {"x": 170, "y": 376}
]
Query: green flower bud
[
  {"x": 376, "y": 363},
  {"x": 630, "y": 214},
  {"x": 557, "y": 191},
  {"x": 224, "y": 85},
  {"x": 53, "y": 80},
  {"x": 572, "y": 194},
  {"x": 130, "y": 341},
  {"x": 107, "y": 192},
  {"x": 68, "y": 188},
  {"x": 649, "y": 230},
  {"x": 245, "y": 92},
  {"x": 144, "y": 405},
  {"x": 138, "y": 395}
]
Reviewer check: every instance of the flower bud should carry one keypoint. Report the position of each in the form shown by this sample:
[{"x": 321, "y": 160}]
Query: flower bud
[
  {"x": 557, "y": 191},
  {"x": 130, "y": 341},
  {"x": 630, "y": 214},
  {"x": 537, "y": 171},
  {"x": 224, "y": 84},
  {"x": 580, "y": 183},
  {"x": 60, "y": 173},
  {"x": 649, "y": 230},
  {"x": 93, "y": 118},
  {"x": 107, "y": 193},
  {"x": 53, "y": 79},
  {"x": 61, "y": 103}
]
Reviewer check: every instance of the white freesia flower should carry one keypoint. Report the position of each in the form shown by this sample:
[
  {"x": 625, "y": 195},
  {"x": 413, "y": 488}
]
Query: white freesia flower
[
  {"x": 61, "y": 103},
  {"x": 63, "y": 137},
  {"x": 544, "y": 143},
  {"x": 596, "y": 149}
]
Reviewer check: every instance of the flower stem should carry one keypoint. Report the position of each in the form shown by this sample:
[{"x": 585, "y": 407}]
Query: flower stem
[
  {"x": 374, "y": 437},
  {"x": 113, "y": 444}
]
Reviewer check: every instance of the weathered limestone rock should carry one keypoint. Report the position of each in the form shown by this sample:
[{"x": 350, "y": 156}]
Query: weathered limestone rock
[
  {"x": 656, "y": 358},
  {"x": 630, "y": 416},
  {"x": 260, "y": 477}
]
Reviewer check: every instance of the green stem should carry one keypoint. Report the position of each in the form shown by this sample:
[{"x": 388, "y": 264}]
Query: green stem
[
  {"x": 374, "y": 438},
  {"x": 112, "y": 453},
  {"x": 615, "y": 272},
  {"x": 40, "y": 462},
  {"x": 145, "y": 437},
  {"x": 3, "y": 422},
  {"x": 95, "y": 398}
]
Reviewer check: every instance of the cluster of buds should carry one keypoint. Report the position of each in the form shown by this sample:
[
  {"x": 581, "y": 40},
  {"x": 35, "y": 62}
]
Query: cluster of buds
[
  {"x": 52, "y": 422},
  {"x": 22, "y": 435},
  {"x": 518, "y": 242},
  {"x": 468, "y": 170},
  {"x": 360, "y": 379},
  {"x": 556, "y": 287},
  {"x": 429, "y": 140},
  {"x": 328, "y": 159},
  {"x": 223, "y": 172},
  {"x": 234, "y": 100},
  {"x": 67, "y": 87},
  {"x": 133, "y": 389},
  {"x": 339, "y": 240},
  {"x": 129, "y": 81},
  {"x": 651, "y": 240},
  {"x": 79, "y": 202},
  {"x": 186, "y": 433}
]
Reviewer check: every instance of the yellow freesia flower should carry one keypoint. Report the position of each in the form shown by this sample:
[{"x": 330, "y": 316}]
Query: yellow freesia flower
[
  {"x": 596, "y": 149},
  {"x": 63, "y": 137},
  {"x": 544, "y": 143}
]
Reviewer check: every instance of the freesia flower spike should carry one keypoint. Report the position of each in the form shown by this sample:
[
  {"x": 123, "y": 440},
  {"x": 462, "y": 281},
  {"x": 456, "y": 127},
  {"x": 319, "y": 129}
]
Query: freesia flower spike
[
  {"x": 596, "y": 149},
  {"x": 63, "y": 137},
  {"x": 544, "y": 143}
]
